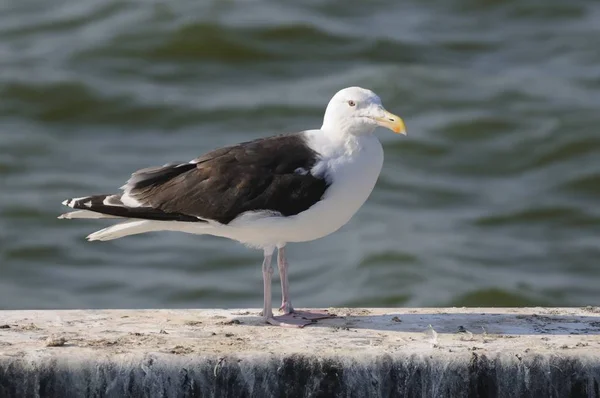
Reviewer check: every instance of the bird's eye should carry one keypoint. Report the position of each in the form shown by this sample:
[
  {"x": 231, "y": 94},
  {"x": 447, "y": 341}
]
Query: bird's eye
[{"x": 351, "y": 103}]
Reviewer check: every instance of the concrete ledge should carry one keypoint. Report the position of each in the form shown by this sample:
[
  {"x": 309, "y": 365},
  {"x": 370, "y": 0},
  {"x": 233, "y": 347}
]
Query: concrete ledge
[{"x": 453, "y": 352}]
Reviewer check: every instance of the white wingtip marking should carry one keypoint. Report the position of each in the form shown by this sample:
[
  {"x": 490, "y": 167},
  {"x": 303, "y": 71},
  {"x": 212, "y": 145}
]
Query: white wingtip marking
[{"x": 71, "y": 202}]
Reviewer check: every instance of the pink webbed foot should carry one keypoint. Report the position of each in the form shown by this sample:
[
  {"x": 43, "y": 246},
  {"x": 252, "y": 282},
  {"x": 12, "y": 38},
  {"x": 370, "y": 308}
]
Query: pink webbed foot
[
  {"x": 289, "y": 321},
  {"x": 299, "y": 319}
]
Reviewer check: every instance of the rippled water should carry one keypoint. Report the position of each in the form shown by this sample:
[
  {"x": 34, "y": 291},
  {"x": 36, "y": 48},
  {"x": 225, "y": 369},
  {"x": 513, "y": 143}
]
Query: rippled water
[{"x": 493, "y": 199}]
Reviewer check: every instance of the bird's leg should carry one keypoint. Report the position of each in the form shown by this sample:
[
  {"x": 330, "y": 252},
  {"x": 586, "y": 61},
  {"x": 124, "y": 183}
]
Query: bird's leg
[
  {"x": 292, "y": 317},
  {"x": 286, "y": 320},
  {"x": 267, "y": 271},
  {"x": 286, "y": 302},
  {"x": 267, "y": 311}
]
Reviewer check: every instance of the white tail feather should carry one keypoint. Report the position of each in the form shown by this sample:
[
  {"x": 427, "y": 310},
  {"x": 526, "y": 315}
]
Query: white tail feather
[
  {"x": 134, "y": 227},
  {"x": 85, "y": 214},
  {"x": 124, "y": 229}
]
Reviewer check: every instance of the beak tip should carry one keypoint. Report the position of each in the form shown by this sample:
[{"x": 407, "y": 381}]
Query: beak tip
[
  {"x": 392, "y": 122},
  {"x": 400, "y": 130}
]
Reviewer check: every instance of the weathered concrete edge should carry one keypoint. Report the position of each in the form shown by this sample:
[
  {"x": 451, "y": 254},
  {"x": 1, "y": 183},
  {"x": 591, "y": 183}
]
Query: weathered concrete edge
[
  {"x": 160, "y": 374},
  {"x": 442, "y": 352}
]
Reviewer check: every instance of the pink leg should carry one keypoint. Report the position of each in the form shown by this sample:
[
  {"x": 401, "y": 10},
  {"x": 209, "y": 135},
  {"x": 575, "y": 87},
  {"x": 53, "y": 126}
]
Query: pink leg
[
  {"x": 282, "y": 264},
  {"x": 291, "y": 316},
  {"x": 267, "y": 271},
  {"x": 285, "y": 321}
]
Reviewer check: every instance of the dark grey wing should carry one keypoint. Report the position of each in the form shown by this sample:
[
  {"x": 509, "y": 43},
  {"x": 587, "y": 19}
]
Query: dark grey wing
[{"x": 266, "y": 174}]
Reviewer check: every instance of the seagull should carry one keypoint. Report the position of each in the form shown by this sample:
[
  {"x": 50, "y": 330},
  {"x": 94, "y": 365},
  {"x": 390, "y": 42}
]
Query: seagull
[{"x": 263, "y": 193}]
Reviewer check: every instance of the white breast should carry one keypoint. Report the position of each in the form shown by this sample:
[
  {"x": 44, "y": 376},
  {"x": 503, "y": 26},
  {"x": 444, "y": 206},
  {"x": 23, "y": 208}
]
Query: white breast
[{"x": 353, "y": 170}]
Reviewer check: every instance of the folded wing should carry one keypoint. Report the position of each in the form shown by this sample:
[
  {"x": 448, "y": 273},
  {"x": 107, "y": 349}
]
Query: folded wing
[{"x": 270, "y": 174}]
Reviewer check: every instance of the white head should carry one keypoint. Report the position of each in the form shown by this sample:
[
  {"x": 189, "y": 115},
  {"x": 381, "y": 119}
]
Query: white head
[{"x": 358, "y": 111}]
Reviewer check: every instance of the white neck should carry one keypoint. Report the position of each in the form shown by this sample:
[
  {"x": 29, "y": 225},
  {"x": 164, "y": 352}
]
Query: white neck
[
  {"x": 343, "y": 128},
  {"x": 335, "y": 140}
]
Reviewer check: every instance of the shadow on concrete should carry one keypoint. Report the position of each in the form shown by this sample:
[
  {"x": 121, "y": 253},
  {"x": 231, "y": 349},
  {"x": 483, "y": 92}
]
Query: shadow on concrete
[{"x": 522, "y": 322}]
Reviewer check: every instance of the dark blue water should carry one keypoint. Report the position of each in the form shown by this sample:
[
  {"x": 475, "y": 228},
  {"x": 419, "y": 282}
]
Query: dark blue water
[{"x": 492, "y": 199}]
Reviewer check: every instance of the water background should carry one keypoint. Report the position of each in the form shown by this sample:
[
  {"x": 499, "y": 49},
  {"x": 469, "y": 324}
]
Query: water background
[{"x": 492, "y": 200}]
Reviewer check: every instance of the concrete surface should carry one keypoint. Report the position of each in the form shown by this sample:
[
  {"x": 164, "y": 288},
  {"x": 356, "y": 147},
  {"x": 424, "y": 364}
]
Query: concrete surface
[{"x": 450, "y": 352}]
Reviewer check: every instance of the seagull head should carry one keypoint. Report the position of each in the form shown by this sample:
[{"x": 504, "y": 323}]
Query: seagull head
[{"x": 358, "y": 111}]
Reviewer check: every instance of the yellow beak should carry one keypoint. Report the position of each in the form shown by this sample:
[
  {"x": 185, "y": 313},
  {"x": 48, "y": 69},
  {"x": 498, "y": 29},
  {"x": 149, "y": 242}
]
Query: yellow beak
[{"x": 392, "y": 122}]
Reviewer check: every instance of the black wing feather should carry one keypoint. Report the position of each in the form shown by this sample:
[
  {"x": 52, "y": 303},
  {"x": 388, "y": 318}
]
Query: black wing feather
[
  {"x": 266, "y": 174},
  {"x": 112, "y": 205}
]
